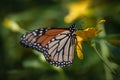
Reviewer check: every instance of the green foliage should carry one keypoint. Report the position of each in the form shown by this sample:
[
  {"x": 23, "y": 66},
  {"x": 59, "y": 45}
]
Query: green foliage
[{"x": 18, "y": 63}]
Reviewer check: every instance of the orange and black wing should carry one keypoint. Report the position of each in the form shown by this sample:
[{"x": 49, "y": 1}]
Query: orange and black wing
[{"x": 57, "y": 45}]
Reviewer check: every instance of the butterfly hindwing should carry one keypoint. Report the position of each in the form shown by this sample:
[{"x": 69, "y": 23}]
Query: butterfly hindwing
[{"x": 61, "y": 49}]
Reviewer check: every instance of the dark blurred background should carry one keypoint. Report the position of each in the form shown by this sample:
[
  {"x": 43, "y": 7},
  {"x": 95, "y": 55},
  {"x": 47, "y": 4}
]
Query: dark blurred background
[{"x": 18, "y": 16}]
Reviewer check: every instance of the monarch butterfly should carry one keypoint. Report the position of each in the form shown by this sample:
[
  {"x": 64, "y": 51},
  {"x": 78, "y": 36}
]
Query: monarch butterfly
[{"x": 56, "y": 44}]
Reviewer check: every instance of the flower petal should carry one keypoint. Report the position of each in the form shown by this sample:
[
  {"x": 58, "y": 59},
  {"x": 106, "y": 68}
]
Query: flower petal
[
  {"x": 77, "y": 9},
  {"x": 79, "y": 47}
]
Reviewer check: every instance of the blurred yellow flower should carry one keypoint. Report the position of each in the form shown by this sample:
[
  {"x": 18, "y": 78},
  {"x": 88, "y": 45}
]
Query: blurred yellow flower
[
  {"x": 83, "y": 35},
  {"x": 77, "y": 9},
  {"x": 11, "y": 25}
]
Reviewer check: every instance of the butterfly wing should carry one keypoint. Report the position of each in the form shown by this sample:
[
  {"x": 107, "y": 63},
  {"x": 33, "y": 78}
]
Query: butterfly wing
[{"x": 57, "y": 45}]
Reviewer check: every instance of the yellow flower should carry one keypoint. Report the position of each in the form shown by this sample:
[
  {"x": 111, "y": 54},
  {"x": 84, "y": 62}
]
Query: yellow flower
[
  {"x": 79, "y": 47},
  {"x": 77, "y": 9},
  {"x": 11, "y": 25},
  {"x": 83, "y": 35}
]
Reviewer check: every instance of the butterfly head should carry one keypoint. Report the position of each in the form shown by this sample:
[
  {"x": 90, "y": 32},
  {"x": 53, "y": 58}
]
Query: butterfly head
[{"x": 72, "y": 28}]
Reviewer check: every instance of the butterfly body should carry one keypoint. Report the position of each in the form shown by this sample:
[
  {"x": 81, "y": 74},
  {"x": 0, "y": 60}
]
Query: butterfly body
[{"x": 56, "y": 44}]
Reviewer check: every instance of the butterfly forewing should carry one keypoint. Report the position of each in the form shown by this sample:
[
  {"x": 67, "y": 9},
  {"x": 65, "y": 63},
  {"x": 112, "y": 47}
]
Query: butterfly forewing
[
  {"x": 37, "y": 39},
  {"x": 29, "y": 39}
]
